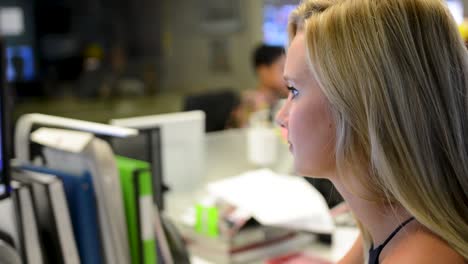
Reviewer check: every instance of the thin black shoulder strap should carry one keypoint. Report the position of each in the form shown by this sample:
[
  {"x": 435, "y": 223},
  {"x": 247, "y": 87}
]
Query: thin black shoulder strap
[{"x": 396, "y": 231}]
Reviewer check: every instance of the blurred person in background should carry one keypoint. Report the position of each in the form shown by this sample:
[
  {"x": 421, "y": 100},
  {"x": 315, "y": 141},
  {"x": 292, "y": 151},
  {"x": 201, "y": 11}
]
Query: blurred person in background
[
  {"x": 92, "y": 76},
  {"x": 268, "y": 62}
]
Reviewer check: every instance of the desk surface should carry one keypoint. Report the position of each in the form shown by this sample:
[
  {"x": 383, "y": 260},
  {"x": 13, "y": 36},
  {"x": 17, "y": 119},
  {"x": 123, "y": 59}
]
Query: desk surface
[
  {"x": 343, "y": 239},
  {"x": 225, "y": 157}
]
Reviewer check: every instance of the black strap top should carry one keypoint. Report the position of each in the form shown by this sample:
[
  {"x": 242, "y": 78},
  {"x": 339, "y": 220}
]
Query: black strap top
[{"x": 374, "y": 253}]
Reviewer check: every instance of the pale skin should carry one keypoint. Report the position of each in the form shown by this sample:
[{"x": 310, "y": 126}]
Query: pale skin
[{"x": 310, "y": 129}]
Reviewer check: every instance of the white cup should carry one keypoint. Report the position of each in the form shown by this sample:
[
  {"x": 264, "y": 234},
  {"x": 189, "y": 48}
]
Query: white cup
[{"x": 262, "y": 145}]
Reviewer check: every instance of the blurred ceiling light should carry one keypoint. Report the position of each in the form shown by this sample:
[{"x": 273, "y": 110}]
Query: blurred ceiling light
[{"x": 11, "y": 21}]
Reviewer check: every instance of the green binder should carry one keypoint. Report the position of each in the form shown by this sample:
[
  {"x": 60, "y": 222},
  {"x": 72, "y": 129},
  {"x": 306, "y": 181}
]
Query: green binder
[{"x": 137, "y": 190}]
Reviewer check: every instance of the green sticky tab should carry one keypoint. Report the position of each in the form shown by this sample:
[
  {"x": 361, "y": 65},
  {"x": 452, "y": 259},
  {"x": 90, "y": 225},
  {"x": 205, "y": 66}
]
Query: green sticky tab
[
  {"x": 199, "y": 218},
  {"x": 149, "y": 248},
  {"x": 146, "y": 182},
  {"x": 212, "y": 224}
]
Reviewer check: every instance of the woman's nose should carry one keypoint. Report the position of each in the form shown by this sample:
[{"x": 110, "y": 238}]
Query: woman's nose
[{"x": 282, "y": 116}]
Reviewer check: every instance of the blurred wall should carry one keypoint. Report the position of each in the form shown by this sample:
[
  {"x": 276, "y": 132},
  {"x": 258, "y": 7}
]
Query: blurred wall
[
  {"x": 465, "y": 7},
  {"x": 188, "y": 49}
]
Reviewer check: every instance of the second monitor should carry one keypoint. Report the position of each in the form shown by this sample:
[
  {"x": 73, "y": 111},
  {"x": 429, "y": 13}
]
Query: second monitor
[{"x": 174, "y": 145}]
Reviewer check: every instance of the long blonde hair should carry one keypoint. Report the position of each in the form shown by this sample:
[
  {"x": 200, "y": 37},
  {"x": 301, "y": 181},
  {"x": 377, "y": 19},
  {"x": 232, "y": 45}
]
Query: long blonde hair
[{"x": 396, "y": 75}]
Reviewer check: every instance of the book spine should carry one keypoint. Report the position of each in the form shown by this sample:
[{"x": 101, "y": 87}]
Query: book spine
[
  {"x": 144, "y": 205},
  {"x": 63, "y": 224}
]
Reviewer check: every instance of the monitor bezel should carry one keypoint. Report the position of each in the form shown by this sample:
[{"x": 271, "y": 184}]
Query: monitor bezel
[{"x": 4, "y": 121}]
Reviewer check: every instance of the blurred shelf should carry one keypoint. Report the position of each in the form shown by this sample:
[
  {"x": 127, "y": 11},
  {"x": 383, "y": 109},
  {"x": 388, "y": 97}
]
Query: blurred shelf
[{"x": 102, "y": 110}]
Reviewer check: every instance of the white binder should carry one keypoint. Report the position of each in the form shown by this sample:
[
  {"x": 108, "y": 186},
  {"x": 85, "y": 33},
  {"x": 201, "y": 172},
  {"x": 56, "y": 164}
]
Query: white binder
[
  {"x": 95, "y": 156},
  {"x": 27, "y": 224},
  {"x": 8, "y": 254},
  {"x": 52, "y": 214}
]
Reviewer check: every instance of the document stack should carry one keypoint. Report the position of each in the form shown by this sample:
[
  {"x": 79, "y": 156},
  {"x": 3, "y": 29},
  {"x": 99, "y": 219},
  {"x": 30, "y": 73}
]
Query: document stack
[
  {"x": 252, "y": 243},
  {"x": 247, "y": 218}
]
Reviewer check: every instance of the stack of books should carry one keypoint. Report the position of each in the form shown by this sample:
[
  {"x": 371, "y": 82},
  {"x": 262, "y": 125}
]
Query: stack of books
[
  {"x": 249, "y": 244},
  {"x": 255, "y": 216},
  {"x": 234, "y": 236}
]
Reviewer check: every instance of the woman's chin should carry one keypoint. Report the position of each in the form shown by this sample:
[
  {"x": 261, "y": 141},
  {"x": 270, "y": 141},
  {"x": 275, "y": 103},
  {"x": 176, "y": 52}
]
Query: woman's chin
[{"x": 315, "y": 173}]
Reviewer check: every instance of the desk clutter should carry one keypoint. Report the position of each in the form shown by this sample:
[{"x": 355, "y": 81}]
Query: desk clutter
[
  {"x": 236, "y": 222},
  {"x": 73, "y": 200},
  {"x": 84, "y": 192}
]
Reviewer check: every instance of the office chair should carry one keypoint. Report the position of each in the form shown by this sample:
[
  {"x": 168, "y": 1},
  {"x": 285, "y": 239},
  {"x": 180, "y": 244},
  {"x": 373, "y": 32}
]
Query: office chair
[{"x": 217, "y": 105}]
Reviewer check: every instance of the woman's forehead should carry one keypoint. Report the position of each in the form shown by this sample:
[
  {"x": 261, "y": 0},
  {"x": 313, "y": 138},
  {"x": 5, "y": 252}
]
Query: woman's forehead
[{"x": 296, "y": 66}]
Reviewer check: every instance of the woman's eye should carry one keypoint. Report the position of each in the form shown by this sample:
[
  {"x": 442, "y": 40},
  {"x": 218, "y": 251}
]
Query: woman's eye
[{"x": 294, "y": 92}]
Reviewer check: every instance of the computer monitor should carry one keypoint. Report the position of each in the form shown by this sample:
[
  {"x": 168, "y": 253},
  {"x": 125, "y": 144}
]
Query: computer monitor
[
  {"x": 173, "y": 144},
  {"x": 275, "y": 23},
  {"x": 20, "y": 63},
  {"x": 4, "y": 128}
]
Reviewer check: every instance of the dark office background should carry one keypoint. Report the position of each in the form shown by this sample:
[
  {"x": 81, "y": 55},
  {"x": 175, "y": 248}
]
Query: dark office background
[{"x": 103, "y": 59}]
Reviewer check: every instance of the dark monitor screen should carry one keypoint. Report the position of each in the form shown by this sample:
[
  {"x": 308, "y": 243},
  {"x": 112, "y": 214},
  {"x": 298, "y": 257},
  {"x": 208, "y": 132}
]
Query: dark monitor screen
[
  {"x": 4, "y": 160},
  {"x": 20, "y": 63},
  {"x": 1, "y": 154}
]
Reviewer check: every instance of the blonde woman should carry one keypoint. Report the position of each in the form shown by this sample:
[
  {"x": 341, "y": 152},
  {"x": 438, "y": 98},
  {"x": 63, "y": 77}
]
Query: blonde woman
[{"x": 378, "y": 105}]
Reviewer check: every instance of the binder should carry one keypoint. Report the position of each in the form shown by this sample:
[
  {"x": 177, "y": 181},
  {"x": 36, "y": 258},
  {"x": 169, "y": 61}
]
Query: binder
[
  {"x": 25, "y": 124},
  {"x": 53, "y": 216},
  {"x": 76, "y": 152},
  {"x": 7, "y": 238},
  {"x": 8, "y": 221},
  {"x": 81, "y": 200},
  {"x": 174, "y": 248},
  {"x": 143, "y": 187},
  {"x": 98, "y": 159},
  {"x": 27, "y": 224},
  {"x": 137, "y": 193},
  {"x": 8, "y": 254}
]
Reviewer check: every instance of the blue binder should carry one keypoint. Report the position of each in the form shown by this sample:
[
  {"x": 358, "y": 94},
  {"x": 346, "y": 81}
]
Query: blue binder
[{"x": 83, "y": 212}]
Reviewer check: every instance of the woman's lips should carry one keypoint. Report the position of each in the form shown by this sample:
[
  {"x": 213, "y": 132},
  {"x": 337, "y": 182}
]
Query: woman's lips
[{"x": 284, "y": 133}]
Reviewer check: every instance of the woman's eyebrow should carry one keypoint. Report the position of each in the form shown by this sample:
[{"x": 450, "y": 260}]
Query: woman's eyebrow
[{"x": 288, "y": 78}]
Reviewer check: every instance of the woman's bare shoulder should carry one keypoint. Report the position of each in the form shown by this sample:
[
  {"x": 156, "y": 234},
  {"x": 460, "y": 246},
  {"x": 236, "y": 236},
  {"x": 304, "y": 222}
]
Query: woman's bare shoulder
[{"x": 420, "y": 245}]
